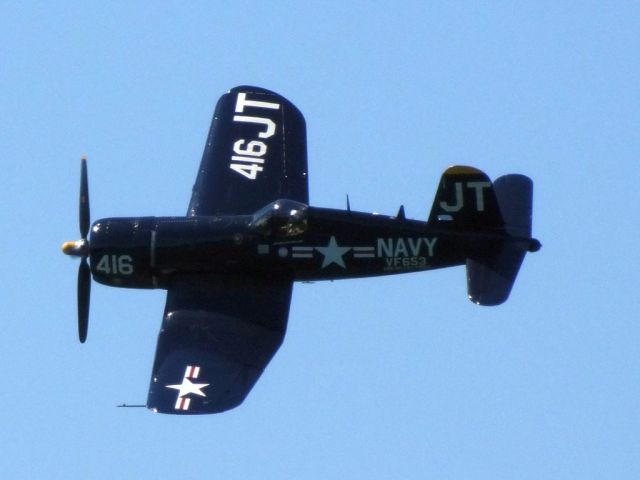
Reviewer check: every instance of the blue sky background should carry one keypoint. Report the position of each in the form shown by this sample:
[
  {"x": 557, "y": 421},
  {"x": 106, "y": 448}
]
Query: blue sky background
[{"x": 381, "y": 378}]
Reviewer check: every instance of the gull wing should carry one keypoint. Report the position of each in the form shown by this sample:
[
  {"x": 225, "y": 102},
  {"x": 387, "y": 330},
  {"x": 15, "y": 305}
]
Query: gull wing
[
  {"x": 217, "y": 336},
  {"x": 256, "y": 153}
]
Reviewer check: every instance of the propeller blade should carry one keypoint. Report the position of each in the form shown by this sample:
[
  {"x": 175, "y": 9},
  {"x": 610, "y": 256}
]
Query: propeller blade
[
  {"x": 84, "y": 293},
  {"x": 84, "y": 199}
]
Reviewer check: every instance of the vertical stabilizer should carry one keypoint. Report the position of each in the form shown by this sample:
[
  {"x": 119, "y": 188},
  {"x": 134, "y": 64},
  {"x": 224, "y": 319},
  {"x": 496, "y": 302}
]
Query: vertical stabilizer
[{"x": 465, "y": 201}]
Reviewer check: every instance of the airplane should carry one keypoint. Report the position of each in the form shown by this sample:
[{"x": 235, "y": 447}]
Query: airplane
[{"x": 249, "y": 233}]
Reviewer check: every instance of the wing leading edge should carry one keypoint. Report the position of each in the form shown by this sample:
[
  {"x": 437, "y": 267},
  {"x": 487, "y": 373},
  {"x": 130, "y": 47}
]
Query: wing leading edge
[
  {"x": 255, "y": 153},
  {"x": 217, "y": 337}
]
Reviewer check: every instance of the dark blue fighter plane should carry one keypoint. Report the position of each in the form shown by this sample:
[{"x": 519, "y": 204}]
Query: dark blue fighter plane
[{"x": 229, "y": 265}]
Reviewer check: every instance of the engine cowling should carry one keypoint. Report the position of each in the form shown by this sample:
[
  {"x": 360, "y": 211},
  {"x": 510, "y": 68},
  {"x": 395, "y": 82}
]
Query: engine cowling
[{"x": 121, "y": 252}]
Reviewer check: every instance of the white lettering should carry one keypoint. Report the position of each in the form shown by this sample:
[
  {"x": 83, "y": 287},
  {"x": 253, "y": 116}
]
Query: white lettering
[
  {"x": 236, "y": 158},
  {"x": 430, "y": 242},
  {"x": 459, "y": 200},
  {"x": 385, "y": 247},
  {"x": 479, "y": 188},
  {"x": 246, "y": 170},
  {"x": 401, "y": 248},
  {"x": 254, "y": 148},
  {"x": 405, "y": 247},
  {"x": 414, "y": 245},
  {"x": 115, "y": 264},
  {"x": 405, "y": 263},
  {"x": 270, "y": 124},
  {"x": 251, "y": 153},
  {"x": 242, "y": 102}
]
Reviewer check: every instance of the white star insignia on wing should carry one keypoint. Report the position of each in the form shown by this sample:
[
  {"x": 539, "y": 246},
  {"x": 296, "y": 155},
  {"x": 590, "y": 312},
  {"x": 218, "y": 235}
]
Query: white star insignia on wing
[
  {"x": 333, "y": 253},
  {"x": 186, "y": 387}
]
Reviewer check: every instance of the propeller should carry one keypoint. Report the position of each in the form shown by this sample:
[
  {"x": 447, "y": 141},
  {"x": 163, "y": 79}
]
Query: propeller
[{"x": 80, "y": 248}]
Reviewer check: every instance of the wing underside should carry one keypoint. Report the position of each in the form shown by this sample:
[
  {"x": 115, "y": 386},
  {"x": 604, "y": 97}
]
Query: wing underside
[
  {"x": 217, "y": 336},
  {"x": 255, "y": 153},
  {"x": 219, "y": 333}
]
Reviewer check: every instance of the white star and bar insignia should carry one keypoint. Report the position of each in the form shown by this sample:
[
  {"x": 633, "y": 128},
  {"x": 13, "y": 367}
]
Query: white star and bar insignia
[
  {"x": 333, "y": 253},
  {"x": 187, "y": 387}
]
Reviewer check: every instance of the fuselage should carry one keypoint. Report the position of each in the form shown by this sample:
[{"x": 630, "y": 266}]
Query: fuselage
[{"x": 325, "y": 244}]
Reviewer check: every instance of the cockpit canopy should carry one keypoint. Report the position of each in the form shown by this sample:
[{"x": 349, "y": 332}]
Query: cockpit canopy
[{"x": 282, "y": 219}]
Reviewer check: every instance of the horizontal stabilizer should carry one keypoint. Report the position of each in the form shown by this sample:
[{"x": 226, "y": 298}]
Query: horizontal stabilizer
[
  {"x": 490, "y": 279},
  {"x": 490, "y": 276}
]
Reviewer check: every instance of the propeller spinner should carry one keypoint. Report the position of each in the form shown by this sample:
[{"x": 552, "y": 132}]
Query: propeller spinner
[{"x": 80, "y": 248}]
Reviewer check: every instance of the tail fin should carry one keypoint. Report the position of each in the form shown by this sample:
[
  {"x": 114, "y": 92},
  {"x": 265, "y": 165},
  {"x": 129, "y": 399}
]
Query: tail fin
[{"x": 467, "y": 201}]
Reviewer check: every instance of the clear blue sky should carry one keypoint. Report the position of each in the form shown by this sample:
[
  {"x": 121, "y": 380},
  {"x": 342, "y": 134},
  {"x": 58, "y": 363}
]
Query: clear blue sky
[{"x": 381, "y": 378}]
